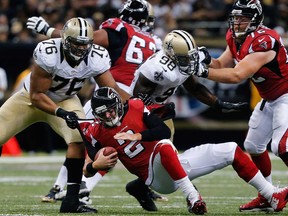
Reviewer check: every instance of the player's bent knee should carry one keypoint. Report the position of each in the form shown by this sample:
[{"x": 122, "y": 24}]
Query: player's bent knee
[{"x": 252, "y": 149}]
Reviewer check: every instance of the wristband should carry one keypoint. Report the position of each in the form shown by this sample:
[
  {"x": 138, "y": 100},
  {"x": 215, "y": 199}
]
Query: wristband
[
  {"x": 56, "y": 110},
  {"x": 49, "y": 32},
  {"x": 90, "y": 169}
]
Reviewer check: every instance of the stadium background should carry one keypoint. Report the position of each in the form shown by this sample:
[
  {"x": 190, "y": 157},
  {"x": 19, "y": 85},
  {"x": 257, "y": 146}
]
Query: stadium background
[{"x": 195, "y": 123}]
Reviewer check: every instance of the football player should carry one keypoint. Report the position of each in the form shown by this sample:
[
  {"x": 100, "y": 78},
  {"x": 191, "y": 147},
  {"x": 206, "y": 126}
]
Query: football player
[
  {"x": 256, "y": 52},
  {"x": 60, "y": 67},
  {"x": 128, "y": 46},
  {"x": 142, "y": 142}
]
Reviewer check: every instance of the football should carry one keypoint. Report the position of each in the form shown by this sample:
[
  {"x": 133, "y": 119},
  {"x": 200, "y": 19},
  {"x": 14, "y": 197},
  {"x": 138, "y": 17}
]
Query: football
[{"x": 107, "y": 151}]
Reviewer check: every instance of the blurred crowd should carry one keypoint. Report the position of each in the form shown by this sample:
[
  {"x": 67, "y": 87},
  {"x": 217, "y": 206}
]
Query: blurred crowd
[{"x": 201, "y": 17}]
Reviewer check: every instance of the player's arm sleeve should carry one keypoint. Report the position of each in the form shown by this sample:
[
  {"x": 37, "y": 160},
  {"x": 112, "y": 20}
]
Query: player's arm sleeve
[
  {"x": 91, "y": 150},
  {"x": 113, "y": 37},
  {"x": 157, "y": 129}
]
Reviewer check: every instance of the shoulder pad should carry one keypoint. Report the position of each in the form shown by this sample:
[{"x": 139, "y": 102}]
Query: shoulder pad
[
  {"x": 47, "y": 52},
  {"x": 113, "y": 23},
  {"x": 262, "y": 43},
  {"x": 99, "y": 58}
]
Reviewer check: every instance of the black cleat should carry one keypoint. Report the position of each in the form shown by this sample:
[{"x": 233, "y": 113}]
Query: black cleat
[
  {"x": 86, "y": 209},
  {"x": 140, "y": 191},
  {"x": 157, "y": 197},
  {"x": 73, "y": 206}
]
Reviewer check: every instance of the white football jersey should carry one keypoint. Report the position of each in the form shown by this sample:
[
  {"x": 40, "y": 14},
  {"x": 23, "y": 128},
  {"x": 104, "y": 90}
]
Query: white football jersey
[
  {"x": 67, "y": 80},
  {"x": 160, "y": 69}
]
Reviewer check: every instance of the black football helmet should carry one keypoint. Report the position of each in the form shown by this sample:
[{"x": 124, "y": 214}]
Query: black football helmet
[
  {"x": 134, "y": 12},
  {"x": 77, "y": 38},
  {"x": 106, "y": 99},
  {"x": 246, "y": 8}
]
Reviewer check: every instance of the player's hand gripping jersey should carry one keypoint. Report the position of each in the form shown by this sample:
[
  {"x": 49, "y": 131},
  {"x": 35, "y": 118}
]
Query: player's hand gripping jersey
[
  {"x": 129, "y": 47},
  {"x": 271, "y": 80},
  {"x": 68, "y": 80}
]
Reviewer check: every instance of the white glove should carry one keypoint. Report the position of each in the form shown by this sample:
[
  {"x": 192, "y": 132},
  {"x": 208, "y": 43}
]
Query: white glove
[
  {"x": 39, "y": 25},
  {"x": 203, "y": 71}
]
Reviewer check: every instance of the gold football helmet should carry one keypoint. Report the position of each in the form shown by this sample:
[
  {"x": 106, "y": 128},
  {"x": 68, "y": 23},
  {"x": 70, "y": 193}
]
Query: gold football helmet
[
  {"x": 77, "y": 38},
  {"x": 180, "y": 46},
  {"x": 150, "y": 22}
]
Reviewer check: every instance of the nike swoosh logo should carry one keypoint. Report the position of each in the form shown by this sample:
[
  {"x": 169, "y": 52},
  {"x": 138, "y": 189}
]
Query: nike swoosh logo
[{"x": 260, "y": 40}]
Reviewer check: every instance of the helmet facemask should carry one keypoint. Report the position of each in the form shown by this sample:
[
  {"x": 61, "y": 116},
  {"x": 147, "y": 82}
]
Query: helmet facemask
[
  {"x": 77, "y": 38},
  {"x": 245, "y": 12},
  {"x": 77, "y": 49},
  {"x": 107, "y": 106},
  {"x": 181, "y": 48}
]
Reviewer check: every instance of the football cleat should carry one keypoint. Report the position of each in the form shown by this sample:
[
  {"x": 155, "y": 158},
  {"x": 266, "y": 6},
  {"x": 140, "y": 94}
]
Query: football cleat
[
  {"x": 140, "y": 191},
  {"x": 83, "y": 192},
  {"x": 85, "y": 209},
  {"x": 85, "y": 200},
  {"x": 51, "y": 196},
  {"x": 196, "y": 205},
  {"x": 157, "y": 197},
  {"x": 279, "y": 199},
  {"x": 74, "y": 206},
  {"x": 258, "y": 204}
]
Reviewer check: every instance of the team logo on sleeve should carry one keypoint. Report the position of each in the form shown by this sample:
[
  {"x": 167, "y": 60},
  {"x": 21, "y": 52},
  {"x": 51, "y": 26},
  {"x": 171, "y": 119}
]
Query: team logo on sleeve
[
  {"x": 263, "y": 45},
  {"x": 158, "y": 76}
]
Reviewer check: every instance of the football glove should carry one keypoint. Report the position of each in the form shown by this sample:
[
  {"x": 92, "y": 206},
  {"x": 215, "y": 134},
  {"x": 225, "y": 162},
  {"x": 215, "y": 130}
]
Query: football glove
[
  {"x": 71, "y": 118},
  {"x": 202, "y": 71},
  {"x": 145, "y": 98},
  {"x": 227, "y": 107},
  {"x": 39, "y": 25},
  {"x": 205, "y": 56}
]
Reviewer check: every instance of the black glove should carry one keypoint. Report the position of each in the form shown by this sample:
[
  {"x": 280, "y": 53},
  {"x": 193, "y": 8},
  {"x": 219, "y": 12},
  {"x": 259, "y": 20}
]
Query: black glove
[
  {"x": 145, "y": 98},
  {"x": 164, "y": 112},
  {"x": 202, "y": 71},
  {"x": 227, "y": 107},
  {"x": 71, "y": 118},
  {"x": 207, "y": 59}
]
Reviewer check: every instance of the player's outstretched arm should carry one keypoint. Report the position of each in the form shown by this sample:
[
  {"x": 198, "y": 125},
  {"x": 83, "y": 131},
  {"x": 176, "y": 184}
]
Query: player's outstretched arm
[{"x": 39, "y": 25}]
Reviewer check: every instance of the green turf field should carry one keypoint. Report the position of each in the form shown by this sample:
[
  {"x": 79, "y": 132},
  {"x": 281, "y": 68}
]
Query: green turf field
[{"x": 23, "y": 180}]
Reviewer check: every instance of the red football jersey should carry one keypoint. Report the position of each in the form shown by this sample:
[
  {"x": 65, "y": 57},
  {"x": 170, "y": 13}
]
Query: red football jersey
[
  {"x": 272, "y": 79},
  {"x": 134, "y": 155},
  {"x": 135, "y": 47}
]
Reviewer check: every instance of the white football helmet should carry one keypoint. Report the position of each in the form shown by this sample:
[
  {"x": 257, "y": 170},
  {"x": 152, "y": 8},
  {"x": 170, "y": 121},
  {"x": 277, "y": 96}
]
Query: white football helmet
[
  {"x": 180, "y": 46},
  {"x": 77, "y": 38}
]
